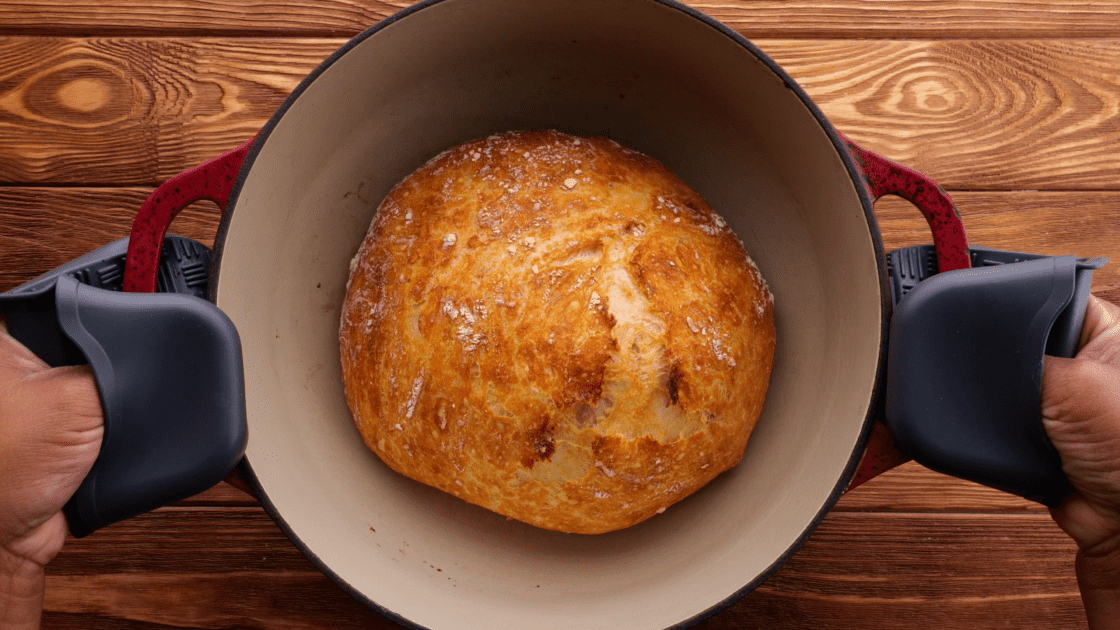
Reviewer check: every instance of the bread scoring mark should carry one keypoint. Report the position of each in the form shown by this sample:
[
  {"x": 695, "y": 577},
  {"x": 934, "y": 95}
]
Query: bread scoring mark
[
  {"x": 638, "y": 272},
  {"x": 676, "y": 378},
  {"x": 590, "y": 251}
]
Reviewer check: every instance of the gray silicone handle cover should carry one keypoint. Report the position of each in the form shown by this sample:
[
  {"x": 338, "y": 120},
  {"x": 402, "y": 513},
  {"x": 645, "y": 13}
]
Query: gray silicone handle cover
[
  {"x": 169, "y": 371},
  {"x": 964, "y": 368}
]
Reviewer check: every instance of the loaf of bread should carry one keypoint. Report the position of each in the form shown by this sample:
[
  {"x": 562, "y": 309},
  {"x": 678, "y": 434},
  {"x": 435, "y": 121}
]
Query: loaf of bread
[{"x": 557, "y": 329}]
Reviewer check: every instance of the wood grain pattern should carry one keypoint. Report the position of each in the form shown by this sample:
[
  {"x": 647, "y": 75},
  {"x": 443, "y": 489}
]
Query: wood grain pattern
[
  {"x": 900, "y": 19},
  {"x": 46, "y": 227},
  {"x": 1041, "y": 222},
  {"x": 311, "y": 18},
  {"x": 177, "y": 568},
  {"x": 760, "y": 18},
  {"x": 304, "y": 599},
  {"x": 920, "y": 571},
  {"x": 992, "y": 115},
  {"x": 973, "y": 115},
  {"x": 137, "y": 111}
]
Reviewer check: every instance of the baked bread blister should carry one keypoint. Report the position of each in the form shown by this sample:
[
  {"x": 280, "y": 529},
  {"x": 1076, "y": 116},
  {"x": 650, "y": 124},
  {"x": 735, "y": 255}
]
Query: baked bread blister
[{"x": 557, "y": 329}]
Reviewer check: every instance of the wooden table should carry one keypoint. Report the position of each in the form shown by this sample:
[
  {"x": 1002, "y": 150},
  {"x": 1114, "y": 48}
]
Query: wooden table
[{"x": 1012, "y": 105}]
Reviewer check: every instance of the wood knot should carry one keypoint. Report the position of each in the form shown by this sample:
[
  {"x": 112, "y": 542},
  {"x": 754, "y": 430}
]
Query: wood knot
[{"x": 84, "y": 95}]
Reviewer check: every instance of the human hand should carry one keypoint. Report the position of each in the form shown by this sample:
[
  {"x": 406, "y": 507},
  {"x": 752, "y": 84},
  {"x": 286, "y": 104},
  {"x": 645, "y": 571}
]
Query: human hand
[
  {"x": 50, "y": 433},
  {"x": 1081, "y": 415}
]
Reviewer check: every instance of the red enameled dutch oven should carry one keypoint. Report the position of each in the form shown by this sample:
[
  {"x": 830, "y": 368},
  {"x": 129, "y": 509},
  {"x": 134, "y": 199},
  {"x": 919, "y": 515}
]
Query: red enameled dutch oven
[{"x": 658, "y": 77}]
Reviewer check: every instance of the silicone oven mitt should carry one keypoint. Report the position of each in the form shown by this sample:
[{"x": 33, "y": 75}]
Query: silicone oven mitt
[
  {"x": 167, "y": 366},
  {"x": 964, "y": 367}
]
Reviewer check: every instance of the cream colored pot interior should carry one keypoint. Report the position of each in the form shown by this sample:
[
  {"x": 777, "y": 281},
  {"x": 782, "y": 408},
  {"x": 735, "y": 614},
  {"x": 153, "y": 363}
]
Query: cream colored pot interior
[{"x": 654, "y": 78}]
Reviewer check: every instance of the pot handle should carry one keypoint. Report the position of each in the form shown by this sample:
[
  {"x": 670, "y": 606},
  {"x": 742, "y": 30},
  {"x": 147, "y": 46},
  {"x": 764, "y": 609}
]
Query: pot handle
[
  {"x": 211, "y": 180},
  {"x": 883, "y": 177}
]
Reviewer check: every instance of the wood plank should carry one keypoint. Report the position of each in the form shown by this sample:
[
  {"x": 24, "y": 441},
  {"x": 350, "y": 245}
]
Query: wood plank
[
  {"x": 206, "y": 540},
  {"x": 315, "y": 18},
  {"x": 1041, "y": 222},
  {"x": 46, "y": 227},
  {"x": 758, "y": 18},
  {"x": 920, "y": 571},
  {"x": 249, "y": 599},
  {"x": 899, "y": 19},
  {"x": 974, "y": 115},
  {"x": 137, "y": 111},
  {"x": 179, "y": 567},
  {"x": 195, "y": 568}
]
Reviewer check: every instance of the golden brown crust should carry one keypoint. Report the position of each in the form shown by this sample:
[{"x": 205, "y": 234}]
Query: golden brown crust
[{"x": 557, "y": 329}]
